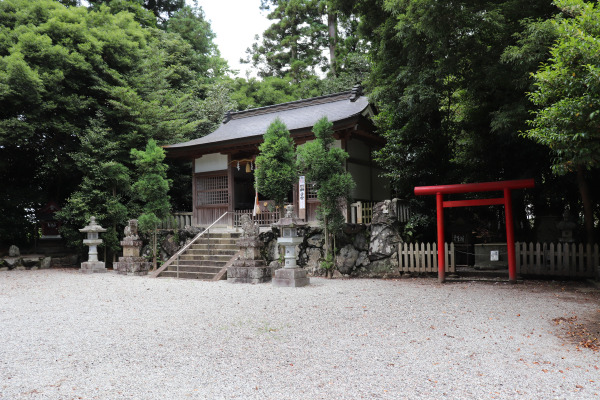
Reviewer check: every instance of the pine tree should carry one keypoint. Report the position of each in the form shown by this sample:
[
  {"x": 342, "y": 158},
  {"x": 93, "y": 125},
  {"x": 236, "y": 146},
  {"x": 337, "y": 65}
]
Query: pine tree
[
  {"x": 323, "y": 166},
  {"x": 103, "y": 192},
  {"x": 275, "y": 171},
  {"x": 151, "y": 189}
]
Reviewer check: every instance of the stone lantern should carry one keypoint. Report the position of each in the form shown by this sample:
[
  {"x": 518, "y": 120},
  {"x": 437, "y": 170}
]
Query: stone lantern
[
  {"x": 92, "y": 240},
  {"x": 290, "y": 275}
]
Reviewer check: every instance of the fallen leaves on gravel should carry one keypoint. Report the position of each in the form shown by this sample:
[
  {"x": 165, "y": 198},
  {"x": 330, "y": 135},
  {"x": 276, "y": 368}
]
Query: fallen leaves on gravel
[{"x": 579, "y": 332}]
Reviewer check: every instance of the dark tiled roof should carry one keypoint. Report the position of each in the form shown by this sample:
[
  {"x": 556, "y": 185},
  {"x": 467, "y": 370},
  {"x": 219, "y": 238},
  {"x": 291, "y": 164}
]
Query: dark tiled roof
[{"x": 296, "y": 115}]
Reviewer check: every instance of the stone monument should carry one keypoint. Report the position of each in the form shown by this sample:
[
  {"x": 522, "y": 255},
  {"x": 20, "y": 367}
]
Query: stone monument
[
  {"x": 131, "y": 263},
  {"x": 250, "y": 267},
  {"x": 566, "y": 227},
  {"x": 290, "y": 275},
  {"x": 92, "y": 240}
]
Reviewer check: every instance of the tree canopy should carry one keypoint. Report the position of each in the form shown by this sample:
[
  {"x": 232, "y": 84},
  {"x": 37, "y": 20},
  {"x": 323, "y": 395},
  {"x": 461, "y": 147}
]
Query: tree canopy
[
  {"x": 324, "y": 168},
  {"x": 567, "y": 90},
  {"x": 454, "y": 83},
  {"x": 63, "y": 67},
  {"x": 275, "y": 165}
]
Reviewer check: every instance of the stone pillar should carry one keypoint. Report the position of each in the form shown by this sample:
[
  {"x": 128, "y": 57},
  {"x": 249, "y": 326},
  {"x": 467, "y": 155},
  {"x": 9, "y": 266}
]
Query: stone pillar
[
  {"x": 131, "y": 263},
  {"x": 250, "y": 267}
]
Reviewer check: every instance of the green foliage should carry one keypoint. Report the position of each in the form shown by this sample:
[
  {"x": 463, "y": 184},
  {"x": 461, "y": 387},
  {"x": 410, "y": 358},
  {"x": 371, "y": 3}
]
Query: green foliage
[
  {"x": 323, "y": 166},
  {"x": 451, "y": 101},
  {"x": 103, "y": 191},
  {"x": 291, "y": 46},
  {"x": 568, "y": 91},
  {"x": 211, "y": 110},
  {"x": 162, "y": 9},
  {"x": 152, "y": 187},
  {"x": 145, "y": 17},
  {"x": 328, "y": 263},
  {"x": 190, "y": 23},
  {"x": 62, "y": 66},
  {"x": 353, "y": 68},
  {"x": 275, "y": 173},
  {"x": 270, "y": 90}
]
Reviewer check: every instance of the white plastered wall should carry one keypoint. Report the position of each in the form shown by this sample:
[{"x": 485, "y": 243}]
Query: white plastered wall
[{"x": 210, "y": 162}]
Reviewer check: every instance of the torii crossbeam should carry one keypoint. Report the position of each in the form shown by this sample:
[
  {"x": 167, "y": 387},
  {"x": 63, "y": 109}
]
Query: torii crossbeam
[{"x": 504, "y": 186}]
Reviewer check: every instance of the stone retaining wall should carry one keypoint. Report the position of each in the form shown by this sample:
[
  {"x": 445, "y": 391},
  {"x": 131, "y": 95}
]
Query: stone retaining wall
[
  {"x": 362, "y": 250},
  {"x": 37, "y": 261}
]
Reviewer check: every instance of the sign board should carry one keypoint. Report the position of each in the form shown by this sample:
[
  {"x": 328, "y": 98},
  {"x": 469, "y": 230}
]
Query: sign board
[
  {"x": 494, "y": 255},
  {"x": 302, "y": 193},
  {"x": 302, "y": 198}
]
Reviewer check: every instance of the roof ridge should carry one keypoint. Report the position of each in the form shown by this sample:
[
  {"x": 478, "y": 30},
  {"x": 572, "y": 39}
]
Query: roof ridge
[{"x": 346, "y": 95}]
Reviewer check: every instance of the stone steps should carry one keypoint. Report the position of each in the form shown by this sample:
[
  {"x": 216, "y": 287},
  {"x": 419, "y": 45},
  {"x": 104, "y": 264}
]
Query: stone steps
[
  {"x": 204, "y": 259},
  {"x": 207, "y": 269},
  {"x": 205, "y": 276},
  {"x": 192, "y": 258}
]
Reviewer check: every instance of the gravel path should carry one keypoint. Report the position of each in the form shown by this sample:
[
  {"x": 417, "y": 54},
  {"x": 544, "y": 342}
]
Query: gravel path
[{"x": 65, "y": 335}]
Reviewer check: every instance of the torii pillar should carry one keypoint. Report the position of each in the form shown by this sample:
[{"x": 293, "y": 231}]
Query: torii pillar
[{"x": 504, "y": 186}]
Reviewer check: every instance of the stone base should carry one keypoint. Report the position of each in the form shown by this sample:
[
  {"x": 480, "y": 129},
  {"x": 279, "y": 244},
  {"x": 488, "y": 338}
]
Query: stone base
[
  {"x": 290, "y": 277},
  {"x": 90, "y": 267},
  {"x": 245, "y": 274},
  {"x": 137, "y": 266},
  {"x": 131, "y": 248}
]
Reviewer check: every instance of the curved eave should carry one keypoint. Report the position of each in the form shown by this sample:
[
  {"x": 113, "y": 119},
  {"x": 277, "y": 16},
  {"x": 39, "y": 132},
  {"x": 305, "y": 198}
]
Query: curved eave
[{"x": 356, "y": 125}]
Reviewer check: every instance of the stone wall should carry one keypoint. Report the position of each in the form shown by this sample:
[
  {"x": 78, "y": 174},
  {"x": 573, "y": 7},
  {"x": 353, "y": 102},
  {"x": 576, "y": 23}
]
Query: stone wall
[
  {"x": 362, "y": 250},
  {"x": 35, "y": 262}
]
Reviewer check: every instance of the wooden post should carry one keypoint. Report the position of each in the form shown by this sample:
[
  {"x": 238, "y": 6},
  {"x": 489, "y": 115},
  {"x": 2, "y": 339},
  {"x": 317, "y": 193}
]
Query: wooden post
[
  {"x": 510, "y": 237},
  {"x": 440, "y": 237}
]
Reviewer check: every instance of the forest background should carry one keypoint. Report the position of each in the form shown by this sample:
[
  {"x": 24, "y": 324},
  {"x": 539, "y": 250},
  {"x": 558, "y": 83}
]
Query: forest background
[{"x": 465, "y": 92}]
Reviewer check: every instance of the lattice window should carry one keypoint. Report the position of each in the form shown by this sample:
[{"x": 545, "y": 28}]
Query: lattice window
[
  {"x": 311, "y": 192},
  {"x": 211, "y": 190}
]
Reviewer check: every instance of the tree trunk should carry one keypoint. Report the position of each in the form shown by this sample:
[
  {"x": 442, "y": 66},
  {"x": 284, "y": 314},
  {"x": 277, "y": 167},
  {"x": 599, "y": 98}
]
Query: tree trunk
[
  {"x": 326, "y": 246},
  {"x": 588, "y": 210},
  {"x": 332, "y": 32},
  {"x": 154, "y": 251}
]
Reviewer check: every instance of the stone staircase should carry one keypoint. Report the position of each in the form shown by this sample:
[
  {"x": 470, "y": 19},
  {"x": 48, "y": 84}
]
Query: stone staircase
[{"x": 205, "y": 258}]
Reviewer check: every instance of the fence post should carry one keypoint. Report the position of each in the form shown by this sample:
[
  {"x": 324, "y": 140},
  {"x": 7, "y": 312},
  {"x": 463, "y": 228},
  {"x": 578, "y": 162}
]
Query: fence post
[{"x": 359, "y": 219}]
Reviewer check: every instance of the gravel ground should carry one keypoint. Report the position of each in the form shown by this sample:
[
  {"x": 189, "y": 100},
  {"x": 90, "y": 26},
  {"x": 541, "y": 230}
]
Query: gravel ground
[{"x": 65, "y": 335}]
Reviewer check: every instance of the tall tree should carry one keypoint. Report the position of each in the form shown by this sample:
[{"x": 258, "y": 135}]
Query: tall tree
[
  {"x": 568, "y": 92},
  {"x": 162, "y": 9},
  {"x": 275, "y": 171},
  {"x": 104, "y": 190},
  {"x": 151, "y": 188},
  {"x": 448, "y": 105},
  {"x": 191, "y": 24},
  {"x": 59, "y": 67},
  {"x": 302, "y": 33},
  {"x": 293, "y": 45},
  {"x": 54, "y": 75},
  {"x": 324, "y": 167}
]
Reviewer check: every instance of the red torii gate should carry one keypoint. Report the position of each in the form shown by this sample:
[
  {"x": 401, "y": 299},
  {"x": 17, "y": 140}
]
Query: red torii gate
[{"x": 504, "y": 186}]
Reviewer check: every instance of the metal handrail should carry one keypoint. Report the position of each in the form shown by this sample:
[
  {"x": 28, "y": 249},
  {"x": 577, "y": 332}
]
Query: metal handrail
[{"x": 184, "y": 248}]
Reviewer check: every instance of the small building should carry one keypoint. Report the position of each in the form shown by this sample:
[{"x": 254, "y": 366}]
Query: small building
[{"x": 223, "y": 161}]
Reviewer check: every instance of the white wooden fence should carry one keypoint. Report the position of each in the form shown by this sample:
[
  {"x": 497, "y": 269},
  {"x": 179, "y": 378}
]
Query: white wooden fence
[
  {"x": 178, "y": 220},
  {"x": 560, "y": 259},
  {"x": 422, "y": 257},
  {"x": 361, "y": 212},
  {"x": 264, "y": 218}
]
